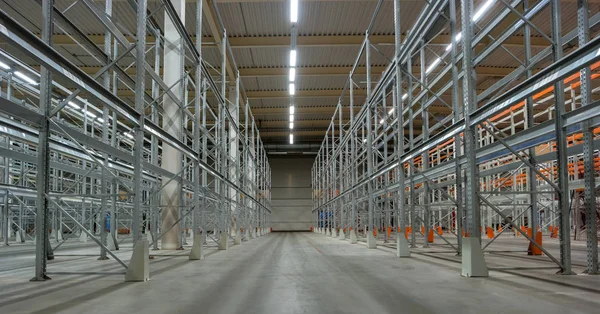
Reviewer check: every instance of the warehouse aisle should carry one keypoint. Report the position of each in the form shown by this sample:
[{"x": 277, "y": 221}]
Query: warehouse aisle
[{"x": 294, "y": 273}]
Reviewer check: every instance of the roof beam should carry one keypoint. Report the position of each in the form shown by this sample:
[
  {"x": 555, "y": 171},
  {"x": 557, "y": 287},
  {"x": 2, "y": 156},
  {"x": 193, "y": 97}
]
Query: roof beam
[
  {"x": 318, "y": 71},
  {"x": 302, "y": 41}
]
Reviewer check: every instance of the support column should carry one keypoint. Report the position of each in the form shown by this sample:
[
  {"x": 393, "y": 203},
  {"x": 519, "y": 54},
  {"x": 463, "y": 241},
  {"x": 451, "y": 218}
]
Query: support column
[
  {"x": 139, "y": 269},
  {"x": 174, "y": 54},
  {"x": 561, "y": 149},
  {"x": 402, "y": 249},
  {"x": 473, "y": 263},
  {"x": 42, "y": 239},
  {"x": 197, "y": 251},
  {"x": 588, "y": 149}
]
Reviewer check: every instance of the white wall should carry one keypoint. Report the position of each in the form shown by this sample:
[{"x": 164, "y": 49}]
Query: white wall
[{"x": 291, "y": 192}]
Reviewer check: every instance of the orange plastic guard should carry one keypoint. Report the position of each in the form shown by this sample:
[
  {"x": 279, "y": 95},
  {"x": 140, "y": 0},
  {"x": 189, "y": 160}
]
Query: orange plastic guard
[
  {"x": 430, "y": 236},
  {"x": 490, "y": 233},
  {"x": 532, "y": 249},
  {"x": 440, "y": 231}
]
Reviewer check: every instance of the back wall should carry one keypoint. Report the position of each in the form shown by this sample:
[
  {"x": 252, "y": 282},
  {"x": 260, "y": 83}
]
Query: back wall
[{"x": 291, "y": 192}]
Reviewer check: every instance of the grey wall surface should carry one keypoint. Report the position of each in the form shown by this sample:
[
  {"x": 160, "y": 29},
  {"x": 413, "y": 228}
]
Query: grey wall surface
[{"x": 291, "y": 192}]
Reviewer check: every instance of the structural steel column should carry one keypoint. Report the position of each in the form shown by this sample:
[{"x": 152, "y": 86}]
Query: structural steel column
[
  {"x": 456, "y": 117},
  {"x": 140, "y": 85},
  {"x": 473, "y": 263},
  {"x": 588, "y": 148},
  {"x": 42, "y": 241},
  {"x": 233, "y": 161},
  {"x": 561, "y": 148},
  {"x": 174, "y": 54}
]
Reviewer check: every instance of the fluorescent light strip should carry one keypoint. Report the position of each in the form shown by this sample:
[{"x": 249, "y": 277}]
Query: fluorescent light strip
[
  {"x": 292, "y": 74},
  {"x": 25, "y": 78},
  {"x": 291, "y": 138},
  {"x": 456, "y": 39},
  {"x": 74, "y": 105},
  {"x": 291, "y": 125},
  {"x": 293, "y": 58},
  {"x": 433, "y": 65},
  {"x": 482, "y": 10},
  {"x": 476, "y": 17},
  {"x": 292, "y": 109},
  {"x": 90, "y": 114},
  {"x": 129, "y": 135},
  {"x": 4, "y": 66},
  {"x": 294, "y": 11},
  {"x": 291, "y": 118},
  {"x": 292, "y": 89}
]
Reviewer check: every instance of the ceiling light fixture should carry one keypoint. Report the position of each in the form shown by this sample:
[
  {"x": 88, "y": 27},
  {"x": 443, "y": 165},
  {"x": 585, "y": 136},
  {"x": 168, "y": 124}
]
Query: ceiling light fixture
[
  {"x": 4, "y": 66},
  {"x": 292, "y": 109},
  {"x": 25, "y": 78},
  {"x": 291, "y": 118},
  {"x": 433, "y": 65},
  {"x": 74, "y": 105},
  {"x": 291, "y": 125},
  {"x": 291, "y": 138},
  {"x": 293, "y": 57},
  {"x": 292, "y": 89},
  {"x": 482, "y": 10},
  {"x": 292, "y": 74},
  {"x": 294, "y": 11}
]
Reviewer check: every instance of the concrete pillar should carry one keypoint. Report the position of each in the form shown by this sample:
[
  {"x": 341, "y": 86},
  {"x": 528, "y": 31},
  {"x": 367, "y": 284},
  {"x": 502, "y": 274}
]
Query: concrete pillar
[
  {"x": 371, "y": 240},
  {"x": 246, "y": 235},
  {"x": 473, "y": 263},
  {"x": 197, "y": 251},
  {"x": 173, "y": 71},
  {"x": 402, "y": 249},
  {"x": 342, "y": 235},
  {"x": 353, "y": 237},
  {"x": 223, "y": 241},
  {"x": 111, "y": 243},
  {"x": 139, "y": 265},
  {"x": 238, "y": 238},
  {"x": 333, "y": 233},
  {"x": 83, "y": 237}
]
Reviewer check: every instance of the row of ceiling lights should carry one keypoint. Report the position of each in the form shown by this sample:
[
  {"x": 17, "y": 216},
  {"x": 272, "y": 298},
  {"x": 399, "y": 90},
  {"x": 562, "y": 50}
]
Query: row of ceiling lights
[
  {"x": 476, "y": 17},
  {"x": 293, "y": 56},
  {"x": 31, "y": 81}
]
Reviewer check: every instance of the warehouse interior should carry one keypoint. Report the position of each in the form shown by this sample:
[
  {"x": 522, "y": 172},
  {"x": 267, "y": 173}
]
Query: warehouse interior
[{"x": 294, "y": 156}]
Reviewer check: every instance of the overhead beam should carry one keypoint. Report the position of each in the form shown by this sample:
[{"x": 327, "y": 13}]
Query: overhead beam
[
  {"x": 302, "y": 41},
  {"x": 320, "y": 71}
]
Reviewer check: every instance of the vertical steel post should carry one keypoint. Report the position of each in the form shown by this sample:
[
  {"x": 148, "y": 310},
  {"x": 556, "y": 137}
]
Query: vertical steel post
[
  {"x": 42, "y": 240},
  {"x": 140, "y": 86},
  {"x": 561, "y": 148},
  {"x": 529, "y": 122},
  {"x": 473, "y": 263},
  {"x": 456, "y": 117},
  {"x": 583, "y": 30}
]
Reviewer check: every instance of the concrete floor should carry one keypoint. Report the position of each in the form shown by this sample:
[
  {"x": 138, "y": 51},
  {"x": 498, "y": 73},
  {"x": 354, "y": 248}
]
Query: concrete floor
[{"x": 286, "y": 273}]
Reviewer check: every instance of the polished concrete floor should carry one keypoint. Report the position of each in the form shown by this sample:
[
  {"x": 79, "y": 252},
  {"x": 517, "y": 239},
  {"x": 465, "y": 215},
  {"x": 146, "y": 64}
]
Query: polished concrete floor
[{"x": 285, "y": 273}]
